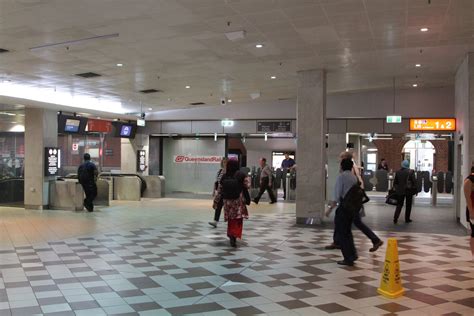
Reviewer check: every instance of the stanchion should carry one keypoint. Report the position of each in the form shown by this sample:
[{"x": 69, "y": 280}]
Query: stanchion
[
  {"x": 391, "y": 282},
  {"x": 287, "y": 186}
]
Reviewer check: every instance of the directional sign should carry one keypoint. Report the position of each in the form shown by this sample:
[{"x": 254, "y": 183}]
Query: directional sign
[{"x": 443, "y": 124}]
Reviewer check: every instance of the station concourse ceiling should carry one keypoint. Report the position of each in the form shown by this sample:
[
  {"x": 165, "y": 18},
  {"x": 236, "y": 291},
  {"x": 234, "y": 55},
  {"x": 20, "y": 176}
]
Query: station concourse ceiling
[{"x": 180, "y": 48}]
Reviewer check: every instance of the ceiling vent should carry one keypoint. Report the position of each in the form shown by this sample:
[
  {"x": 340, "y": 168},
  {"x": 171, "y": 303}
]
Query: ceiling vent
[
  {"x": 88, "y": 75},
  {"x": 3, "y": 50},
  {"x": 147, "y": 91},
  {"x": 197, "y": 103}
]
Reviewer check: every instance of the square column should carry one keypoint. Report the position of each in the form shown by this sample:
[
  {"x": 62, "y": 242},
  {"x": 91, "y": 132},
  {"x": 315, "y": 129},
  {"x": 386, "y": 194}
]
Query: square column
[
  {"x": 41, "y": 130},
  {"x": 311, "y": 150}
]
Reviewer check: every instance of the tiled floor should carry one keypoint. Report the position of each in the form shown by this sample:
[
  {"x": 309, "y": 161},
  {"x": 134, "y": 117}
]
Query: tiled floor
[{"x": 161, "y": 258}]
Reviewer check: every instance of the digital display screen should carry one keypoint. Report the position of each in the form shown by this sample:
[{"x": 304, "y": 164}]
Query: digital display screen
[
  {"x": 126, "y": 130},
  {"x": 72, "y": 126}
]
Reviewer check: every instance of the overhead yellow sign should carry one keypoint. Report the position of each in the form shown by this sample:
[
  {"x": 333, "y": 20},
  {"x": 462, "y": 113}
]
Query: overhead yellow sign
[{"x": 443, "y": 124}]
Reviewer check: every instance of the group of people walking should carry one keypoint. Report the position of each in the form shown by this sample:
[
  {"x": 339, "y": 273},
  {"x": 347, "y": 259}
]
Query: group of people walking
[{"x": 404, "y": 190}]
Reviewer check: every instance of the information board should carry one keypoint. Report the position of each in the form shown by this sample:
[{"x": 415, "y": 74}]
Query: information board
[
  {"x": 274, "y": 126},
  {"x": 52, "y": 161},
  {"x": 141, "y": 160},
  {"x": 442, "y": 124}
]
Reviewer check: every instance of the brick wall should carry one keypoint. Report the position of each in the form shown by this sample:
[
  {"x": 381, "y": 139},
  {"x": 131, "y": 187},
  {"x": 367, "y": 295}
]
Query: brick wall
[
  {"x": 441, "y": 156},
  {"x": 392, "y": 149}
]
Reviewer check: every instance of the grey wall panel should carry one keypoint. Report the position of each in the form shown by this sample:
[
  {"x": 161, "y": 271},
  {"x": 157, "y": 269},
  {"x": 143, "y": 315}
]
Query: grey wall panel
[
  {"x": 365, "y": 126},
  {"x": 207, "y": 127},
  {"x": 246, "y": 127},
  {"x": 176, "y": 127},
  {"x": 151, "y": 127},
  {"x": 403, "y": 127},
  {"x": 337, "y": 126}
]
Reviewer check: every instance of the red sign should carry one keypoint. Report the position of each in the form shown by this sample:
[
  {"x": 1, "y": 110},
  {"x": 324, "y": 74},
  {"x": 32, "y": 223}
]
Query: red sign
[
  {"x": 100, "y": 126},
  {"x": 197, "y": 159},
  {"x": 75, "y": 146}
]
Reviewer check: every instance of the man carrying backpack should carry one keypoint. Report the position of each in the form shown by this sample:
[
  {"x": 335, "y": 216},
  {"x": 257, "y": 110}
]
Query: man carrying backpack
[
  {"x": 346, "y": 184},
  {"x": 87, "y": 175}
]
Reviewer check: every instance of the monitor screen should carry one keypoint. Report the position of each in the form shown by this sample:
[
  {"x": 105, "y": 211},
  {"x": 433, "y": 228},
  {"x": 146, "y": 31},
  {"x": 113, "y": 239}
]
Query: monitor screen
[
  {"x": 126, "y": 130},
  {"x": 72, "y": 126}
]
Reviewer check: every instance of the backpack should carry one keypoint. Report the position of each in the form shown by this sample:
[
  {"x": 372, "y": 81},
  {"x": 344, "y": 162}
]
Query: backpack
[
  {"x": 354, "y": 199},
  {"x": 231, "y": 187}
]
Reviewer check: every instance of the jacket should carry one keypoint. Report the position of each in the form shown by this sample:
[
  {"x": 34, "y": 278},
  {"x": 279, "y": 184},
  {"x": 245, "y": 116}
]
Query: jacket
[{"x": 401, "y": 178}]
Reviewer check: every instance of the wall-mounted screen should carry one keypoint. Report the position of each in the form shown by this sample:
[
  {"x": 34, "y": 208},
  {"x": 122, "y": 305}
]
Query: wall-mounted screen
[
  {"x": 125, "y": 130},
  {"x": 71, "y": 124}
]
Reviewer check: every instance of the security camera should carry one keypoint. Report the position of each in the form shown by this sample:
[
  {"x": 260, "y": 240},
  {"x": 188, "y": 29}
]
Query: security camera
[
  {"x": 142, "y": 115},
  {"x": 223, "y": 101}
]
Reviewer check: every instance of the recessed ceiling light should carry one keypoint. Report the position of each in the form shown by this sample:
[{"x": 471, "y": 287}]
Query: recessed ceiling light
[
  {"x": 188, "y": 87},
  {"x": 119, "y": 65},
  {"x": 259, "y": 45},
  {"x": 273, "y": 77},
  {"x": 418, "y": 65},
  {"x": 414, "y": 85},
  {"x": 424, "y": 29},
  {"x": 229, "y": 101},
  {"x": 150, "y": 109}
]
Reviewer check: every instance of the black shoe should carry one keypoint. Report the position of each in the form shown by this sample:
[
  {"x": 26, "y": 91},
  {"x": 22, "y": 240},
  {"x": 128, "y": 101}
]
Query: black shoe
[
  {"x": 345, "y": 263},
  {"x": 408, "y": 221},
  {"x": 395, "y": 221},
  {"x": 272, "y": 202},
  {"x": 233, "y": 242},
  {"x": 376, "y": 246},
  {"x": 255, "y": 201},
  {"x": 213, "y": 224},
  {"x": 332, "y": 247}
]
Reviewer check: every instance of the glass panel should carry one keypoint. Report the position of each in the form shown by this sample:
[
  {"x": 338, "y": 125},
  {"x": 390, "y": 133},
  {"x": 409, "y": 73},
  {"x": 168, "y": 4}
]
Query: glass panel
[
  {"x": 188, "y": 176},
  {"x": 12, "y": 156}
]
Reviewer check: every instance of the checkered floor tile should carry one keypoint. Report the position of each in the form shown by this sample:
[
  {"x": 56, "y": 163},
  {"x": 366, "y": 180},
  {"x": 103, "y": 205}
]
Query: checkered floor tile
[{"x": 278, "y": 269}]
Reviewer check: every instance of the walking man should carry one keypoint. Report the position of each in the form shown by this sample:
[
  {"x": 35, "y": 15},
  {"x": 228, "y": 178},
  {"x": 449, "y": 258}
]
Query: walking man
[
  {"x": 266, "y": 182},
  {"x": 87, "y": 174}
]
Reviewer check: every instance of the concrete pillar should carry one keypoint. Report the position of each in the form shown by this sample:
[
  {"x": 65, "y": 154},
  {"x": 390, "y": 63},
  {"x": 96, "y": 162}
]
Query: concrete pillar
[
  {"x": 464, "y": 112},
  {"x": 336, "y": 144},
  {"x": 41, "y": 130},
  {"x": 311, "y": 149}
]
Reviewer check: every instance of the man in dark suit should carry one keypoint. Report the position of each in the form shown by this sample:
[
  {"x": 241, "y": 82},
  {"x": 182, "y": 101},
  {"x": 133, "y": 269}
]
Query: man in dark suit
[{"x": 405, "y": 188}]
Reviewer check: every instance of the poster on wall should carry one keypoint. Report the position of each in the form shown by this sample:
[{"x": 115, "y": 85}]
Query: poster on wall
[
  {"x": 180, "y": 159},
  {"x": 141, "y": 160},
  {"x": 52, "y": 161}
]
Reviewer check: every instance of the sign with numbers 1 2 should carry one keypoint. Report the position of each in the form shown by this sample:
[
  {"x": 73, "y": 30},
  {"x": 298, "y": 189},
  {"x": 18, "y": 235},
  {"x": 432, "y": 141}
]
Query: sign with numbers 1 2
[{"x": 443, "y": 124}]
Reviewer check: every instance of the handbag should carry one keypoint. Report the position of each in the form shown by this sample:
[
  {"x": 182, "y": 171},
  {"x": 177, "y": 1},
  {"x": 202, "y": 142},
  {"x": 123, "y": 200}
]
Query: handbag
[
  {"x": 411, "y": 188},
  {"x": 391, "y": 198}
]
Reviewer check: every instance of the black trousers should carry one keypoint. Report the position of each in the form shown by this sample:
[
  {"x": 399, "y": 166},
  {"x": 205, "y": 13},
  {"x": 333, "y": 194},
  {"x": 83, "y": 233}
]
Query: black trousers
[
  {"x": 90, "y": 191},
  {"x": 264, "y": 186},
  {"x": 401, "y": 199},
  {"x": 363, "y": 228},
  {"x": 344, "y": 236},
  {"x": 217, "y": 212}
]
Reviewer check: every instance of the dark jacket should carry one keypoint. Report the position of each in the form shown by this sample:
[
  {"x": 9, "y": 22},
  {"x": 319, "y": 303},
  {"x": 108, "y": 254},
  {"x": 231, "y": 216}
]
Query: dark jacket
[
  {"x": 401, "y": 177},
  {"x": 87, "y": 173}
]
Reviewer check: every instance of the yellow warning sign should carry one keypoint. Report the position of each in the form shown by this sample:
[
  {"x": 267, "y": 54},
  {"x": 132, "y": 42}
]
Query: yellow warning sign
[{"x": 391, "y": 282}]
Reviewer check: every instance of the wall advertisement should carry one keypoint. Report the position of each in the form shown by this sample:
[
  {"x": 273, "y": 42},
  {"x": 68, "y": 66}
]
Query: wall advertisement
[{"x": 181, "y": 159}]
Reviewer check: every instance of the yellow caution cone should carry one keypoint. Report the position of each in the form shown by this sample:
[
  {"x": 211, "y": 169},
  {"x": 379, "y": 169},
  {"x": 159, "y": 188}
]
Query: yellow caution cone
[{"x": 391, "y": 282}]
